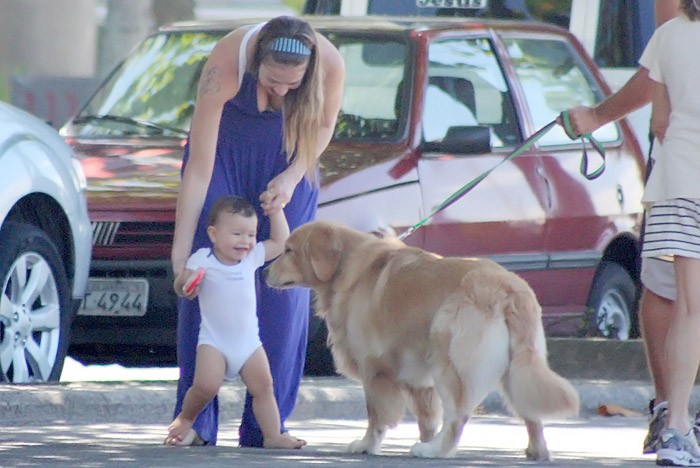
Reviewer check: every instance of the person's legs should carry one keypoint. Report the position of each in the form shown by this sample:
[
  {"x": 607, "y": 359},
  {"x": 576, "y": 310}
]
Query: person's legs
[
  {"x": 678, "y": 445},
  {"x": 283, "y": 319},
  {"x": 682, "y": 345},
  {"x": 188, "y": 320},
  {"x": 208, "y": 377},
  {"x": 655, "y": 311},
  {"x": 654, "y": 315},
  {"x": 256, "y": 376}
]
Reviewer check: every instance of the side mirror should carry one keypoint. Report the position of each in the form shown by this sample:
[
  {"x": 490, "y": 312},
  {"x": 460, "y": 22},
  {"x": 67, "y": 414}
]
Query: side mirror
[{"x": 463, "y": 140}]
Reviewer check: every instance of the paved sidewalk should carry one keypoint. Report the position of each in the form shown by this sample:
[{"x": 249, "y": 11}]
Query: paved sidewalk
[{"x": 604, "y": 372}]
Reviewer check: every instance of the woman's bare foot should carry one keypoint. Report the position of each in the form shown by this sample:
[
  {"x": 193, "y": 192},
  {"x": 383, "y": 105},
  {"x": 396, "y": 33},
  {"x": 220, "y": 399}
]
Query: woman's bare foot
[
  {"x": 180, "y": 432},
  {"x": 283, "y": 440}
]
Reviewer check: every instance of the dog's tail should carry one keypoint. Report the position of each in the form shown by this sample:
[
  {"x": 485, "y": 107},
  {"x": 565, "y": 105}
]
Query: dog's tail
[{"x": 534, "y": 390}]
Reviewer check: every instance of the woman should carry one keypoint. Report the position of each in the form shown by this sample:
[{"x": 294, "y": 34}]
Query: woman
[
  {"x": 672, "y": 229},
  {"x": 267, "y": 103}
]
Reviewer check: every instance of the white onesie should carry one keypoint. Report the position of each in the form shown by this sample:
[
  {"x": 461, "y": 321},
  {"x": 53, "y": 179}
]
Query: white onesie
[{"x": 227, "y": 303}]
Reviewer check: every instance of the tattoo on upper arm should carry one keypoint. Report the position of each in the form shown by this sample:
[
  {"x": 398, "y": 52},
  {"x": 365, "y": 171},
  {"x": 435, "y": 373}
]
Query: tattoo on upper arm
[{"x": 210, "y": 83}]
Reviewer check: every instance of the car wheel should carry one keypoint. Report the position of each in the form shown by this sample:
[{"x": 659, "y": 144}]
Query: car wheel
[
  {"x": 611, "y": 309},
  {"x": 35, "y": 312}
]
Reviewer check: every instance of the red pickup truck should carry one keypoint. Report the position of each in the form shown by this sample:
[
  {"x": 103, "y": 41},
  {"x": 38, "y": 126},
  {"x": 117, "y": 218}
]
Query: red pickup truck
[{"x": 429, "y": 104}]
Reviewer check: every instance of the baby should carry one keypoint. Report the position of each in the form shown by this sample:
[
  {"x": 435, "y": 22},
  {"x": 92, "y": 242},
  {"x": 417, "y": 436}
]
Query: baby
[{"x": 229, "y": 343}]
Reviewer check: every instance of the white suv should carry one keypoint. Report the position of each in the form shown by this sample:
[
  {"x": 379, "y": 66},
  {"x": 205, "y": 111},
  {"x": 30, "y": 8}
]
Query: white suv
[{"x": 45, "y": 245}]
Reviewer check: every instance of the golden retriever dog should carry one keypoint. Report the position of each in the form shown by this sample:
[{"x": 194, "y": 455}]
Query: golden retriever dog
[{"x": 436, "y": 334}]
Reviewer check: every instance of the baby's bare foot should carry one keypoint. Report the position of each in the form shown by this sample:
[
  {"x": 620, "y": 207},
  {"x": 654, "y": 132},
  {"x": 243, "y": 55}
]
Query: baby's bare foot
[
  {"x": 283, "y": 440},
  {"x": 180, "y": 432}
]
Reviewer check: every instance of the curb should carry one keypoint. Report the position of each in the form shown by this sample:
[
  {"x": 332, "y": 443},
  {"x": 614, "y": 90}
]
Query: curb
[
  {"x": 604, "y": 372},
  {"x": 319, "y": 398}
]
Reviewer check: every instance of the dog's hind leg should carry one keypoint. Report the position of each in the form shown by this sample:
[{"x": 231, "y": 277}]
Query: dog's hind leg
[
  {"x": 425, "y": 405},
  {"x": 470, "y": 354},
  {"x": 385, "y": 407},
  {"x": 458, "y": 402},
  {"x": 537, "y": 447}
]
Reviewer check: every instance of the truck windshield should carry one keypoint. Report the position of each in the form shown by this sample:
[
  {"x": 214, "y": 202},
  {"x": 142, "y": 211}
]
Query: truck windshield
[{"x": 153, "y": 92}]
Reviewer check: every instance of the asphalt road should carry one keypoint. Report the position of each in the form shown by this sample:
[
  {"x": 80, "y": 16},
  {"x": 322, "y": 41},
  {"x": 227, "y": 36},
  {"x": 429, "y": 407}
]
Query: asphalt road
[
  {"x": 486, "y": 442},
  {"x": 110, "y": 416}
]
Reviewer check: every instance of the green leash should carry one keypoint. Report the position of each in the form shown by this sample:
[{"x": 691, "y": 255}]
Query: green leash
[{"x": 583, "y": 167}]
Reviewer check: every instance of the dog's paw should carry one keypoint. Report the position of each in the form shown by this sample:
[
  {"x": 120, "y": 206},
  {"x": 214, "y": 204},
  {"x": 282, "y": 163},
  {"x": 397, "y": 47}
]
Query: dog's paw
[
  {"x": 423, "y": 450},
  {"x": 429, "y": 450},
  {"x": 362, "y": 446},
  {"x": 533, "y": 454}
]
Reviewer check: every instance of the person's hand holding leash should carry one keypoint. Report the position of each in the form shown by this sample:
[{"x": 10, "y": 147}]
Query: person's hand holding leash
[{"x": 583, "y": 120}]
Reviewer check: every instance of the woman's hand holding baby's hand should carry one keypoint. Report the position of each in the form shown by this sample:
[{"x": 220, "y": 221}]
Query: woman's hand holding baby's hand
[{"x": 279, "y": 192}]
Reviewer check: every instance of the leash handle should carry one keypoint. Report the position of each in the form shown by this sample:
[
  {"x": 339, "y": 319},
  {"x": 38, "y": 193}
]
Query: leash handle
[{"x": 583, "y": 167}]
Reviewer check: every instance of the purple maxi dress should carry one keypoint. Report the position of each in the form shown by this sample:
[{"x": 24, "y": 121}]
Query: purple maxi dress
[{"x": 248, "y": 156}]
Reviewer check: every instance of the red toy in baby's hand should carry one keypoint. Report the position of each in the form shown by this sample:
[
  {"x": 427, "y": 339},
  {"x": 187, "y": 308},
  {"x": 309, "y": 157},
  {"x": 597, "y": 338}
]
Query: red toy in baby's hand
[{"x": 194, "y": 281}]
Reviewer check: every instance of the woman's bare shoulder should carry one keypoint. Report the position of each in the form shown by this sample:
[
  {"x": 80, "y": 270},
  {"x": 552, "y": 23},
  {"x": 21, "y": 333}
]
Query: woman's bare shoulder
[
  {"x": 229, "y": 45},
  {"x": 332, "y": 60},
  {"x": 224, "y": 56}
]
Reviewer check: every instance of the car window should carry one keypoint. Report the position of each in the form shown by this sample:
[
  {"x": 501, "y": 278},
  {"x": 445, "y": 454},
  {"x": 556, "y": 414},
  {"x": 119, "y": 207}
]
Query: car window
[
  {"x": 466, "y": 87},
  {"x": 375, "y": 69},
  {"x": 153, "y": 91},
  {"x": 553, "y": 80}
]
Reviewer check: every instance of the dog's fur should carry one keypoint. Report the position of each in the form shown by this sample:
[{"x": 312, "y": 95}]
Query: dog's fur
[{"x": 434, "y": 333}]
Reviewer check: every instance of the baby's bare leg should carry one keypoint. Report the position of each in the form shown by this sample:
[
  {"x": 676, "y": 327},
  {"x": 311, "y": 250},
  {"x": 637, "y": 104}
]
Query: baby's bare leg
[
  {"x": 256, "y": 375},
  {"x": 208, "y": 377}
]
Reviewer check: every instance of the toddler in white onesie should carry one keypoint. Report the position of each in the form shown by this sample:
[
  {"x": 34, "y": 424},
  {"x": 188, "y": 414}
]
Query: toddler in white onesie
[{"x": 229, "y": 343}]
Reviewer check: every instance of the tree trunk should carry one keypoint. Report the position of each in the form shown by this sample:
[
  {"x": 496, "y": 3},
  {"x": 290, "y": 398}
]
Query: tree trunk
[
  {"x": 169, "y": 11},
  {"x": 126, "y": 24},
  {"x": 47, "y": 37}
]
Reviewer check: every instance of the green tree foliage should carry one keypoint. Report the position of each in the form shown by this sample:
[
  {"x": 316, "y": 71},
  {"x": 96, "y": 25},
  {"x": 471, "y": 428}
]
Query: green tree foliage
[{"x": 295, "y": 5}]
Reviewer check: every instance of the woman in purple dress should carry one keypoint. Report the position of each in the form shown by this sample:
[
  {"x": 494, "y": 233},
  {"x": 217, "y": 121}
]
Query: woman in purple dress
[{"x": 267, "y": 103}]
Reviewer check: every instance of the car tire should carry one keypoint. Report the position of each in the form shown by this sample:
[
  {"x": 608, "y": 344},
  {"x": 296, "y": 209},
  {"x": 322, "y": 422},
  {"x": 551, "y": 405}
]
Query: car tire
[
  {"x": 34, "y": 336},
  {"x": 611, "y": 310}
]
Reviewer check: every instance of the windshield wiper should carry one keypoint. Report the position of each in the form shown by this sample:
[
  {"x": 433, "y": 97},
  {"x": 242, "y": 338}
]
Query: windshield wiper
[{"x": 141, "y": 123}]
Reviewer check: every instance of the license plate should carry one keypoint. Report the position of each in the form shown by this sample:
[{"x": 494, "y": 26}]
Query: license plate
[{"x": 115, "y": 297}]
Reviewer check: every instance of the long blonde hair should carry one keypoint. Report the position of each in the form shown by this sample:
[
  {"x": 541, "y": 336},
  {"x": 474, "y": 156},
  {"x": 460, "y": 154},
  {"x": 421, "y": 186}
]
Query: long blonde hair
[{"x": 303, "y": 106}]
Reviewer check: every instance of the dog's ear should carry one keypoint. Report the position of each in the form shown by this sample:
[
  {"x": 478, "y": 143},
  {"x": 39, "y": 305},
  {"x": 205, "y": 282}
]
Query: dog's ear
[{"x": 323, "y": 251}]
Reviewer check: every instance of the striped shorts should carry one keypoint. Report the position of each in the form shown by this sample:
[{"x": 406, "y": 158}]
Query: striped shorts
[{"x": 672, "y": 227}]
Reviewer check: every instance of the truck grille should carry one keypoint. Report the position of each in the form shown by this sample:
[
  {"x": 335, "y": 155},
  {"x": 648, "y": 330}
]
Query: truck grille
[{"x": 115, "y": 233}]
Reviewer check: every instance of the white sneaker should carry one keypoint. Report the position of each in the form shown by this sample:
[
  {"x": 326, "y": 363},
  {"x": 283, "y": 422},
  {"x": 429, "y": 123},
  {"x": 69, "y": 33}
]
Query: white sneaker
[
  {"x": 656, "y": 424},
  {"x": 677, "y": 450}
]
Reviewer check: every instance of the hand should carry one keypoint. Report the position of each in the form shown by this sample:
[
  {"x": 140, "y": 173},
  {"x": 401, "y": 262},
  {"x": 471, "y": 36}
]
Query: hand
[
  {"x": 181, "y": 280},
  {"x": 279, "y": 192},
  {"x": 659, "y": 125},
  {"x": 583, "y": 120}
]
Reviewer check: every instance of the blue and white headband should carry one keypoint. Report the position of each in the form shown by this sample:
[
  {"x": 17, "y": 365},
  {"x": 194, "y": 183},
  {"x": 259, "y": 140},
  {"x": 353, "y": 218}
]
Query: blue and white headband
[{"x": 290, "y": 45}]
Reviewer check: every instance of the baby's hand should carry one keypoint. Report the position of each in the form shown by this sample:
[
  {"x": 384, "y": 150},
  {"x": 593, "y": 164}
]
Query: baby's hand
[
  {"x": 188, "y": 283},
  {"x": 194, "y": 282},
  {"x": 279, "y": 192}
]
